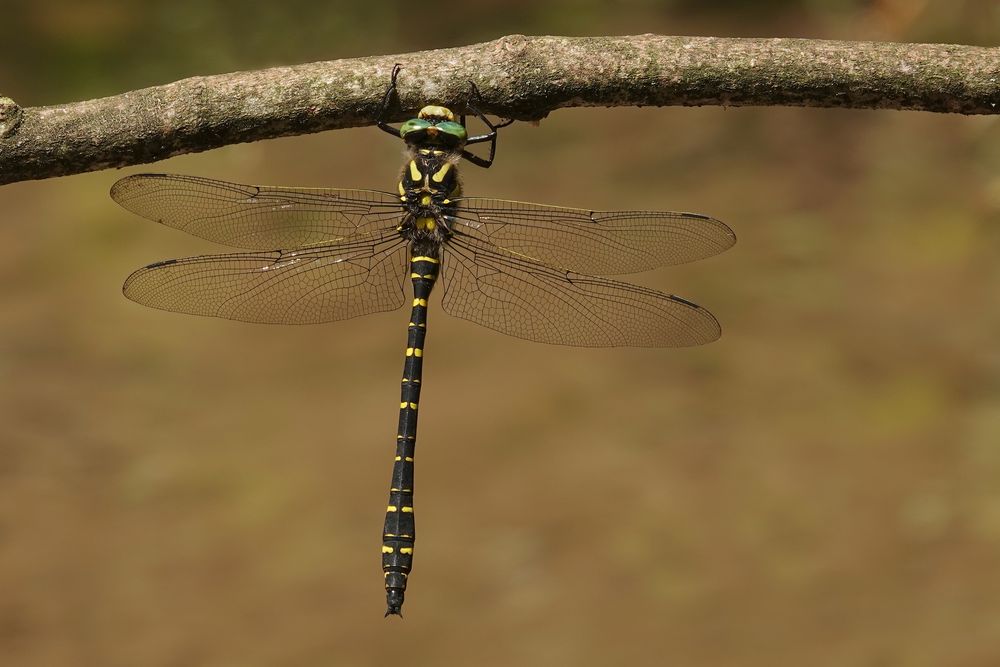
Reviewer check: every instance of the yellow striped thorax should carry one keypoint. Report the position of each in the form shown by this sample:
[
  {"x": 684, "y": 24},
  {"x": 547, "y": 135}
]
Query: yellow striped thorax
[
  {"x": 430, "y": 174},
  {"x": 428, "y": 186}
]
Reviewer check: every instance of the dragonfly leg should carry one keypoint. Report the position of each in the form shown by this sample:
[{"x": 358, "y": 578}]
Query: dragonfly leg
[
  {"x": 384, "y": 108},
  {"x": 491, "y": 136}
]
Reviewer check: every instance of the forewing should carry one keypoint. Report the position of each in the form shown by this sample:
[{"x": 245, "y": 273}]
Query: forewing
[
  {"x": 528, "y": 300},
  {"x": 304, "y": 286},
  {"x": 593, "y": 242},
  {"x": 256, "y": 217}
]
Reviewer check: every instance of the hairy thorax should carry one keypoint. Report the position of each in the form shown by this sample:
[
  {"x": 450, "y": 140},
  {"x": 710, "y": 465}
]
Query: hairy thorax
[{"x": 428, "y": 188}]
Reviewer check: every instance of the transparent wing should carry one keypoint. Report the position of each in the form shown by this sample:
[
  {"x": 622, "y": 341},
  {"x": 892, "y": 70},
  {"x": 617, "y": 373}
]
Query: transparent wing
[
  {"x": 256, "y": 217},
  {"x": 523, "y": 298},
  {"x": 305, "y": 286},
  {"x": 593, "y": 242}
]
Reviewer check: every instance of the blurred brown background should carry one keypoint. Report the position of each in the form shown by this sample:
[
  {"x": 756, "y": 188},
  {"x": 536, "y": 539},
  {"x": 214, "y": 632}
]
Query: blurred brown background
[{"x": 820, "y": 487}]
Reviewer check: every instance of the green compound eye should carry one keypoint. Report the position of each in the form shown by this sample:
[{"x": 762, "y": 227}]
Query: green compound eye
[
  {"x": 453, "y": 129},
  {"x": 413, "y": 125}
]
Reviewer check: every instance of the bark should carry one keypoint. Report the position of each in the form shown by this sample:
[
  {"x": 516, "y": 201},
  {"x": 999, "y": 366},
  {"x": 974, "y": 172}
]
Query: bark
[{"x": 520, "y": 77}]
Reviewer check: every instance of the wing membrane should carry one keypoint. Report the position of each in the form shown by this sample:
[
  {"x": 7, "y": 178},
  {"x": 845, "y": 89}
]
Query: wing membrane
[
  {"x": 593, "y": 242},
  {"x": 256, "y": 217},
  {"x": 304, "y": 286},
  {"x": 522, "y": 298}
]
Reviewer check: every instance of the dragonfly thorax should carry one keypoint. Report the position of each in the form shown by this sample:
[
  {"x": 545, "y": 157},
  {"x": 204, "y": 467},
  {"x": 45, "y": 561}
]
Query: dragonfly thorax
[{"x": 427, "y": 189}]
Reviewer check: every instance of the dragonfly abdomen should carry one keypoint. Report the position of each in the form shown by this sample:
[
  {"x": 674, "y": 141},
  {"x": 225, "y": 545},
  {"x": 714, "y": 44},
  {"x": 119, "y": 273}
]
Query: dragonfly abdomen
[{"x": 400, "y": 531}]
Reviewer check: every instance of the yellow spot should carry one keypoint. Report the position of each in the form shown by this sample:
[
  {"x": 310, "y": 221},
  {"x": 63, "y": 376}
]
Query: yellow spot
[
  {"x": 417, "y": 352},
  {"x": 423, "y": 258},
  {"x": 420, "y": 302},
  {"x": 434, "y": 111},
  {"x": 394, "y": 489},
  {"x": 443, "y": 201},
  {"x": 409, "y": 351},
  {"x": 389, "y": 550},
  {"x": 391, "y": 508},
  {"x": 398, "y": 458},
  {"x": 415, "y": 174},
  {"x": 426, "y": 224},
  {"x": 441, "y": 173},
  {"x": 415, "y": 275},
  {"x": 428, "y": 275},
  {"x": 402, "y": 191},
  {"x": 425, "y": 151},
  {"x": 438, "y": 152},
  {"x": 405, "y": 535},
  {"x": 409, "y": 458},
  {"x": 407, "y": 510},
  {"x": 406, "y": 550},
  {"x": 389, "y": 535},
  {"x": 425, "y": 200}
]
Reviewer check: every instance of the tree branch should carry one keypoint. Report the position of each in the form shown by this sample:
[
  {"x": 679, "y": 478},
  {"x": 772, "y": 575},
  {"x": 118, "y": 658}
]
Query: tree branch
[{"x": 520, "y": 77}]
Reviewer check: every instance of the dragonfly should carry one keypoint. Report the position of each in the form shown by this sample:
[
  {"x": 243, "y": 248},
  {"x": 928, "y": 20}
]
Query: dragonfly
[{"x": 316, "y": 255}]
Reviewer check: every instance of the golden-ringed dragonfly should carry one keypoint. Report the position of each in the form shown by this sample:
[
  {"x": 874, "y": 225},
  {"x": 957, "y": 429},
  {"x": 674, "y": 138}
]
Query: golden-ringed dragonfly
[{"x": 527, "y": 270}]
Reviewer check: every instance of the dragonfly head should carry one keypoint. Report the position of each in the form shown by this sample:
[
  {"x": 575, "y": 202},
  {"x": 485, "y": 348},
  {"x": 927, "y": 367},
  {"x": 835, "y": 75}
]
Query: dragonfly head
[{"x": 434, "y": 126}]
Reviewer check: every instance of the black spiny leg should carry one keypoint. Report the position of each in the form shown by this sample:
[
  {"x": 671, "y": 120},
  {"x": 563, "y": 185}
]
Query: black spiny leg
[
  {"x": 399, "y": 532},
  {"x": 491, "y": 136},
  {"x": 380, "y": 121}
]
